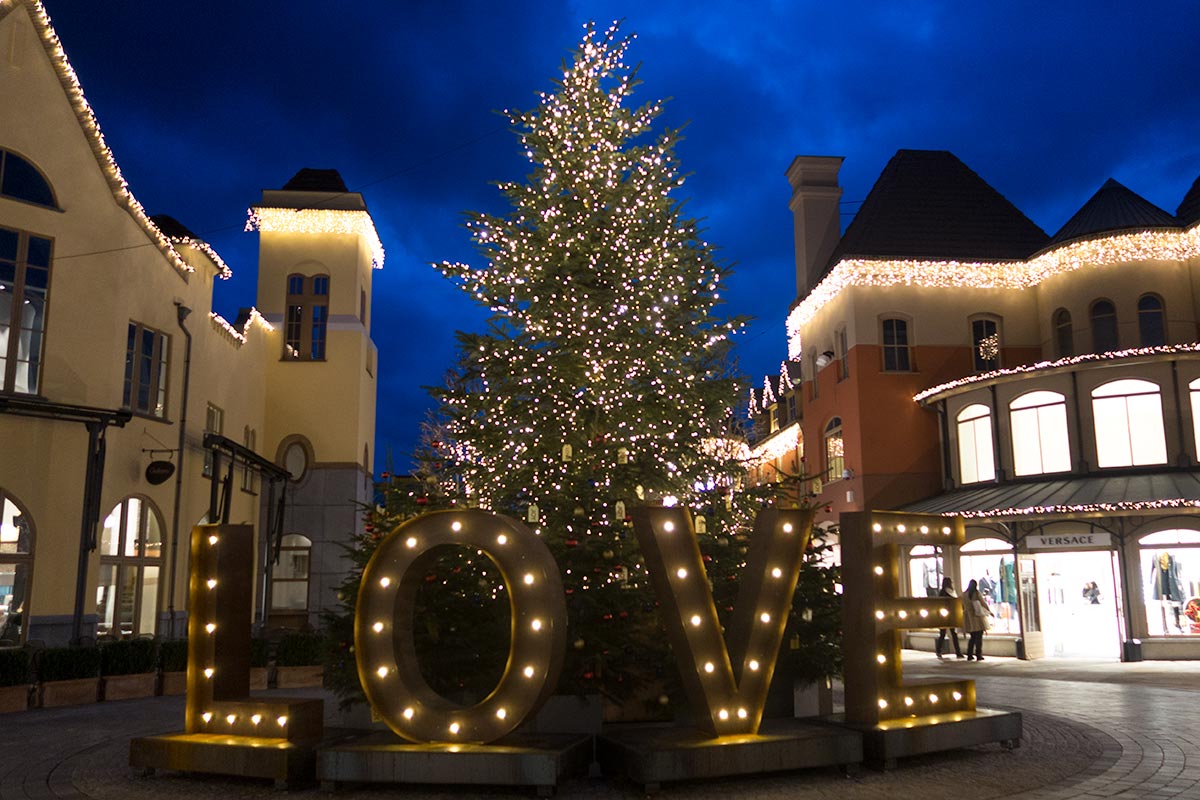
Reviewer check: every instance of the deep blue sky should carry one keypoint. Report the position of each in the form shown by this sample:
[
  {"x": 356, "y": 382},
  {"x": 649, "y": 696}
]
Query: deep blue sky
[{"x": 205, "y": 104}]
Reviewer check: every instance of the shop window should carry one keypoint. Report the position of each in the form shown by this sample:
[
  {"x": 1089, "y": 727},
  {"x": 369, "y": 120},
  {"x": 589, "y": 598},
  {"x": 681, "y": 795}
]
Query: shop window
[
  {"x": 986, "y": 343},
  {"x": 24, "y": 302},
  {"x": 897, "y": 352},
  {"x": 1170, "y": 562},
  {"x": 989, "y": 562},
  {"x": 1194, "y": 396},
  {"x": 1128, "y": 421},
  {"x": 289, "y": 580},
  {"x": 1104, "y": 326},
  {"x": 976, "y": 460},
  {"x": 1039, "y": 433},
  {"x": 21, "y": 180},
  {"x": 130, "y": 567},
  {"x": 835, "y": 450},
  {"x": 307, "y": 320},
  {"x": 1064, "y": 336},
  {"x": 1152, "y": 326},
  {"x": 925, "y": 571},
  {"x": 16, "y": 568},
  {"x": 146, "y": 353}
]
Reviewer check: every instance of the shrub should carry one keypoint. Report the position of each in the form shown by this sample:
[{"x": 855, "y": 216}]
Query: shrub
[
  {"x": 260, "y": 652},
  {"x": 68, "y": 663},
  {"x": 14, "y": 667},
  {"x": 300, "y": 650},
  {"x": 173, "y": 654},
  {"x": 128, "y": 657}
]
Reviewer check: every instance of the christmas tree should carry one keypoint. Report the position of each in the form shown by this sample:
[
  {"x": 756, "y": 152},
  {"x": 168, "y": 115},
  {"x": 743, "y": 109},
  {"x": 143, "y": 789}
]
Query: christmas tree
[{"x": 603, "y": 381}]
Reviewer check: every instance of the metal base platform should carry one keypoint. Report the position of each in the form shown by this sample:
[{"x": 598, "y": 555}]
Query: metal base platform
[
  {"x": 287, "y": 763},
  {"x": 651, "y": 755},
  {"x": 900, "y": 738},
  {"x": 537, "y": 760}
]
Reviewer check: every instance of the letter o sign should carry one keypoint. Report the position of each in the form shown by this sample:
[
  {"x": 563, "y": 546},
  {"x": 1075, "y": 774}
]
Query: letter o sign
[{"x": 384, "y": 647}]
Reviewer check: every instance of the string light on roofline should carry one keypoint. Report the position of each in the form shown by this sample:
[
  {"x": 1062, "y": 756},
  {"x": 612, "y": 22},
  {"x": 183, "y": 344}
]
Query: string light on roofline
[
  {"x": 204, "y": 247},
  {"x": 1087, "y": 508},
  {"x": 87, "y": 119},
  {"x": 1156, "y": 245},
  {"x": 317, "y": 220}
]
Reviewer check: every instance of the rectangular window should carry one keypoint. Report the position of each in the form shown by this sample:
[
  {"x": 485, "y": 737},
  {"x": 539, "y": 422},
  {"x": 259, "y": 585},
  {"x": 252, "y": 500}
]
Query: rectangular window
[
  {"x": 293, "y": 330},
  {"x": 791, "y": 408},
  {"x": 24, "y": 301},
  {"x": 145, "y": 390},
  {"x": 320, "y": 319},
  {"x": 214, "y": 422},
  {"x": 307, "y": 317},
  {"x": 843, "y": 355},
  {"x": 896, "y": 354}
]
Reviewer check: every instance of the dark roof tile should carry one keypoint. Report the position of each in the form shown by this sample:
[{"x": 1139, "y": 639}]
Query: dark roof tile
[
  {"x": 1189, "y": 209},
  {"x": 1113, "y": 208},
  {"x": 929, "y": 204},
  {"x": 172, "y": 228}
]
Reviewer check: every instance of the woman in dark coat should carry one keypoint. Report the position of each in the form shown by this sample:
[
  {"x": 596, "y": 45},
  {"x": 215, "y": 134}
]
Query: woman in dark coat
[{"x": 947, "y": 591}]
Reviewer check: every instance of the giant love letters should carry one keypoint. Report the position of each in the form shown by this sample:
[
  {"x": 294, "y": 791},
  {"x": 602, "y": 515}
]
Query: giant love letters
[{"x": 730, "y": 680}]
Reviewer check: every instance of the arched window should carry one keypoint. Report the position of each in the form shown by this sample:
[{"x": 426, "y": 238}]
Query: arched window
[
  {"x": 289, "y": 580},
  {"x": 307, "y": 317},
  {"x": 1104, "y": 326},
  {"x": 21, "y": 180},
  {"x": 130, "y": 565},
  {"x": 1064, "y": 337},
  {"x": 16, "y": 568},
  {"x": 1170, "y": 562},
  {"x": 1152, "y": 325},
  {"x": 986, "y": 343},
  {"x": 976, "y": 461},
  {"x": 1194, "y": 395},
  {"x": 897, "y": 350},
  {"x": 835, "y": 450},
  {"x": 989, "y": 562},
  {"x": 1039, "y": 433},
  {"x": 1128, "y": 419}
]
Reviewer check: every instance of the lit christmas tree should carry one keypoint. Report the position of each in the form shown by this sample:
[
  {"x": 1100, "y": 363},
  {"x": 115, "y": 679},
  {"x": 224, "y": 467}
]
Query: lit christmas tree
[{"x": 602, "y": 382}]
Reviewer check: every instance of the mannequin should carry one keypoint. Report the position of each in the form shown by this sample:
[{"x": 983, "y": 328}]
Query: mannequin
[{"x": 1166, "y": 585}]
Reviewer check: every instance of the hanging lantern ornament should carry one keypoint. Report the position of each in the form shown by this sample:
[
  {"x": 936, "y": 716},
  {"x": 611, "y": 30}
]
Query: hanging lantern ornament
[
  {"x": 567, "y": 452},
  {"x": 641, "y": 492},
  {"x": 622, "y": 455},
  {"x": 532, "y": 515},
  {"x": 701, "y": 524},
  {"x": 619, "y": 510}
]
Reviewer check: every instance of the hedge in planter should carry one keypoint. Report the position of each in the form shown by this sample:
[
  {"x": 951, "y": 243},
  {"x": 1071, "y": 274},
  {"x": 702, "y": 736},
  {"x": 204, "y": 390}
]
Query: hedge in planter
[
  {"x": 15, "y": 679},
  {"x": 68, "y": 676},
  {"x": 173, "y": 656},
  {"x": 298, "y": 660},
  {"x": 129, "y": 668}
]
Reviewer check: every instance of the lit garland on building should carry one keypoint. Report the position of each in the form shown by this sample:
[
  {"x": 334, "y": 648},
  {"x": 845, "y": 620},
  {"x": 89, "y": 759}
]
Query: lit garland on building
[
  {"x": 91, "y": 129},
  {"x": 1158, "y": 245},
  {"x": 225, "y": 327},
  {"x": 779, "y": 444},
  {"x": 1060, "y": 363},
  {"x": 199, "y": 244},
  {"x": 1086, "y": 508},
  {"x": 318, "y": 220}
]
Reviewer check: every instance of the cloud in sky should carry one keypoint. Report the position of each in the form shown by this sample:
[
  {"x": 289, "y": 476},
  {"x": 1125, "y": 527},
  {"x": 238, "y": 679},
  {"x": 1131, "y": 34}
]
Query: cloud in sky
[{"x": 204, "y": 107}]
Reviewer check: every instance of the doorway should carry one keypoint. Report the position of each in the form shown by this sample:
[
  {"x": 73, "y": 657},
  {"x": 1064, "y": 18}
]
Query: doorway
[{"x": 1079, "y": 621}]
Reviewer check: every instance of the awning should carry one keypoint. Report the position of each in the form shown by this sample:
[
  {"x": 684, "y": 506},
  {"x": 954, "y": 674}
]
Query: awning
[{"x": 1073, "y": 498}]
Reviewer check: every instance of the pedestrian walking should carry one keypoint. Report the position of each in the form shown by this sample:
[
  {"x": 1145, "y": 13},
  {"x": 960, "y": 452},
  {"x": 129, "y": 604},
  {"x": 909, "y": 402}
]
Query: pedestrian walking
[{"x": 976, "y": 616}]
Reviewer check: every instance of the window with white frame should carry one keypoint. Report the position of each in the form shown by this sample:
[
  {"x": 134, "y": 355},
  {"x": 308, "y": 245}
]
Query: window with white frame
[
  {"x": 986, "y": 343},
  {"x": 146, "y": 353},
  {"x": 1039, "y": 433},
  {"x": 835, "y": 450},
  {"x": 897, "y": 351},
  {"x": 989, "y": 562},
  {"x": 976, "y": 460},
  {"x": 1170, "y": 562},
  {"x": 289, "y": 580},
  {"x": 1128, "y": 420},
  {"x": 1194, "y": 396},
  {"x": 130, "y": 566},
  {"x": 24, "y": 303}
]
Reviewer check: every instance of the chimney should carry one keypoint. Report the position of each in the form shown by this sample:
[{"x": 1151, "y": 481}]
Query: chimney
[{"x": 814, "y": 205}]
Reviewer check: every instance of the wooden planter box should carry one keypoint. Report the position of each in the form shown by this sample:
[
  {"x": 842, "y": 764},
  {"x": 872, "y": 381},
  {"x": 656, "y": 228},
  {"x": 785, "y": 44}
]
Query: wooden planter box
[
  {"x": 298, "y": 677},
  {"x": 14, "y": 698},
  {"x": 127, "y": 687},
  {"x": 173, "y": 684},
  {"x": 259, "y": 678},
  {"x": 53, "y": 694}
]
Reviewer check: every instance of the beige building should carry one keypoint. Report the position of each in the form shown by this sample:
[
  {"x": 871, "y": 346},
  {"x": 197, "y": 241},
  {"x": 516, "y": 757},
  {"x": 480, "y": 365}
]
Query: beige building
[{"x": 111, "y": 360}]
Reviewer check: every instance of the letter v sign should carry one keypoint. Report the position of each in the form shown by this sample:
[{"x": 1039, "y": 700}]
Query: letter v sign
[{"x": 730, "y": 681}]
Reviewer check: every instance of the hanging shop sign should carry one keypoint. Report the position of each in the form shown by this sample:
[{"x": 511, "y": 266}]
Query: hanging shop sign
[
  {"x": 159, "y": 472},
  {"x": 1070, "y": 541}
]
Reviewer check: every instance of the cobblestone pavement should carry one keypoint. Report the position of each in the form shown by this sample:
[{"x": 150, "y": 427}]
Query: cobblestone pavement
[{"x": 1091, "y": 730}]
